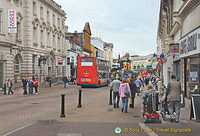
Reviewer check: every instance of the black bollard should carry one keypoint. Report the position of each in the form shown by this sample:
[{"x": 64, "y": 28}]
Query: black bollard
[
  {"x": 79, "y": 100},
  {"x": 110, "y": 103},
  {"x": 62, "y": 115}
]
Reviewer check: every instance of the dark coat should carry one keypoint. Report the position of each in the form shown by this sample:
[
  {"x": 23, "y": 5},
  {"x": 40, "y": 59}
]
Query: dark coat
[
  {"x": 133, "y": 88},
  {"x": 173, "y": 91},
  {"x": 65, "y": 79}
]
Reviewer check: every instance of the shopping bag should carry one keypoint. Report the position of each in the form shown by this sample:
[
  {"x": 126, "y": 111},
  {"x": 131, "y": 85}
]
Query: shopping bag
[{"x": 130, "y": 100}]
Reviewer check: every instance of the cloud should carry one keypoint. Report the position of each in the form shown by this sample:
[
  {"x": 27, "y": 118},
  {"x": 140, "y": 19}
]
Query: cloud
[{"x": 130, "y": 24}]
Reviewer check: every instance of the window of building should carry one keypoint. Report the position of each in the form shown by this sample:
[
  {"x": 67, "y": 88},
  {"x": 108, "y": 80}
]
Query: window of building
[
  {"x": 34, "y": 8},
  {"x": 58, "y": 22},
  {"x": 41, "y": 13},
  {"x": 42, "y": 37},
  {"x": 1, "y": 21},
  {"x": 54, "y": 41},
  {"x": 58, "y": 42},
  {"x": 35, "y": 34},
  {"x": 54, "y": 19},
  {"x": 33, "y": 64},
  {"x": 18, "y": 35},
  {"x": 16, "y": 2},
  {"x": 16, "y": 64},
  {"x": 48, "y": 37},
  {"x": 138, "y": 67},
  {"x": 48, "y": 16}
]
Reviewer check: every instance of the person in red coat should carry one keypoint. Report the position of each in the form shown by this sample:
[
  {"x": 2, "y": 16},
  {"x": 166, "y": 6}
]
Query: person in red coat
[{"x": 36, "y": 85}]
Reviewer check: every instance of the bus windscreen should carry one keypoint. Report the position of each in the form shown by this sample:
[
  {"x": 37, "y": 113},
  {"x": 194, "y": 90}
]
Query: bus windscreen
[{"x": 86, "y": 61}]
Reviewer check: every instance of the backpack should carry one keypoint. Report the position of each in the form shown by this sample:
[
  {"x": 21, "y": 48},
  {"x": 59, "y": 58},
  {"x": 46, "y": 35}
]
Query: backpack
[{"x": 126, "y": 92}]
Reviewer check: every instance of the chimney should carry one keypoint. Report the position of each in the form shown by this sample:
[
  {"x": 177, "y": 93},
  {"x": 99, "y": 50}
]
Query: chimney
[{"x": 75, "y": 37}]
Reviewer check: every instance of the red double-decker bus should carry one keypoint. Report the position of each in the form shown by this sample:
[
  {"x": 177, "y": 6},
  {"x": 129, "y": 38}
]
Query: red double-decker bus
[{"x": 92, "y": 72}]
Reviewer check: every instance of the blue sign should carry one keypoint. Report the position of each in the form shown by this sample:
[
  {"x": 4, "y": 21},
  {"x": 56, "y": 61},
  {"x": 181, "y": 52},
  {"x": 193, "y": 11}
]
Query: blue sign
[{"x": 162, "y": 56}]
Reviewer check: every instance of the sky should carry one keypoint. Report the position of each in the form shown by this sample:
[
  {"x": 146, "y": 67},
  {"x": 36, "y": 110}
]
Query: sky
[{"x": 131, "y": 25}]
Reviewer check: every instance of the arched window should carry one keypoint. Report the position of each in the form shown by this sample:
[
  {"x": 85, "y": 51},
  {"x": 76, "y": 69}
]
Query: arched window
[
  {"x": 16, "y": 65},
  {"x": 138, "y": 67}
]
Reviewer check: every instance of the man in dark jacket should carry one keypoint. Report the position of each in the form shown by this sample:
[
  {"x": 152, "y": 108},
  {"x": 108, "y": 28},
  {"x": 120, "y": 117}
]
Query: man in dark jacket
[
  {"x": 25, "y": 83},
  {"x": 173, "y": 97},
  {"x": 65, "y": 80},
  {"x": 133, "y": 91}
]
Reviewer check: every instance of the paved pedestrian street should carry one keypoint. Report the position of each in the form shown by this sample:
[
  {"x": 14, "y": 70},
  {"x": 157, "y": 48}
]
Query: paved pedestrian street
[{"x": 39, "y": 115}]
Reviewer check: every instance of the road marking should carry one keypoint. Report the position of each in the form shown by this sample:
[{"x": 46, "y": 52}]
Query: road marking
[
  {"x": 142, "y": 125},
  {"x": 17, "y": 129}
]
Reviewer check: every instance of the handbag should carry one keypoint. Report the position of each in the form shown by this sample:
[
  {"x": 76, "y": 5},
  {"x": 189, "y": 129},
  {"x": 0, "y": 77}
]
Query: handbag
[{"x": 126, "y": 92}]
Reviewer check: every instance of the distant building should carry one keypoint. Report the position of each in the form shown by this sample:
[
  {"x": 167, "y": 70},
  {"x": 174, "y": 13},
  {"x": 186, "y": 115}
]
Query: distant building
[
  {"x": 143, "y": 62},
  {"x": 82, "y": 39},
  {"x": 77, "y": 44}
]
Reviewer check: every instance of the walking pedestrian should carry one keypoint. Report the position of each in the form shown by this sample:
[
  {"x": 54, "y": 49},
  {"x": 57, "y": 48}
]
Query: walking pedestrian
[
  {"x": 173, "y": 97},
  {"x": 47, "y": 81},
  {"x": 125, "y": 93},
  {"x": 30, "y": 85},
  {"x": 65, "y": 80},
  {"x": 4, "y": 88},
  {"x": 133, "y": 91},
  {"x": 138, "y": 84},
  {"x": 115, "y": 87},
  {"x": 9, "y": 85},
  {"x": 36, "y": 85},
  {"x": 25, "y": 84}
]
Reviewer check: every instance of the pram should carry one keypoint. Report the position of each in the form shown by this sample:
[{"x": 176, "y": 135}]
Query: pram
[{"x": 150, "y": 113}]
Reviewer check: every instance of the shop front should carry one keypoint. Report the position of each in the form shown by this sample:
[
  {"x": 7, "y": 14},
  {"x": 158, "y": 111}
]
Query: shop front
[{"x": 190, "y": 57}]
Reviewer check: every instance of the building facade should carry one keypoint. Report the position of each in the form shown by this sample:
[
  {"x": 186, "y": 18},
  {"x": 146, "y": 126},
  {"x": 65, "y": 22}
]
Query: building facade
[
  {"x": 77, "y": 44},
  {"x": 143, "y": 62},
  {"x": 39, "y": 40},
  {"x": 179, "y": 24}
]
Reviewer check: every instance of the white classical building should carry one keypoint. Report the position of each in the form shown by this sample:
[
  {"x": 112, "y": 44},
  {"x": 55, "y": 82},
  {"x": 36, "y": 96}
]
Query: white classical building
[
  {"x": 143, "y": 62},
  {"x": 38, "y": 43}
]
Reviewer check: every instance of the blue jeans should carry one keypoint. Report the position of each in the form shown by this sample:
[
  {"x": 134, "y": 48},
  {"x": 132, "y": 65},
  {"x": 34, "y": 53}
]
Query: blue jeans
[
  {"x": 65, "y": 83},
  {"x": 47, "y": 84},
  {"x": 25, "y": 90},
  {"x": 125, "y": 103},
  {"x": 30, "y": 90},
  {"x": 116, "y": 94}
]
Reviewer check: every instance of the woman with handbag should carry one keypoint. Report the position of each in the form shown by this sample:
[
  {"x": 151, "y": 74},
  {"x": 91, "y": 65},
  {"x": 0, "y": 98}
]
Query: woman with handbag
[{"x": 125, "y": 93}]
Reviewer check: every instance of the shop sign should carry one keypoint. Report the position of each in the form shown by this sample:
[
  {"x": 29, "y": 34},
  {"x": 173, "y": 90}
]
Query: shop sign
[
  {"x": 190, "y": 44},
  {"x": 174, "y": 49},
  {"x": 12, "y": 22},
  {"x": 60, "y": 62},
  {"x": 159, "y": 59}
]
